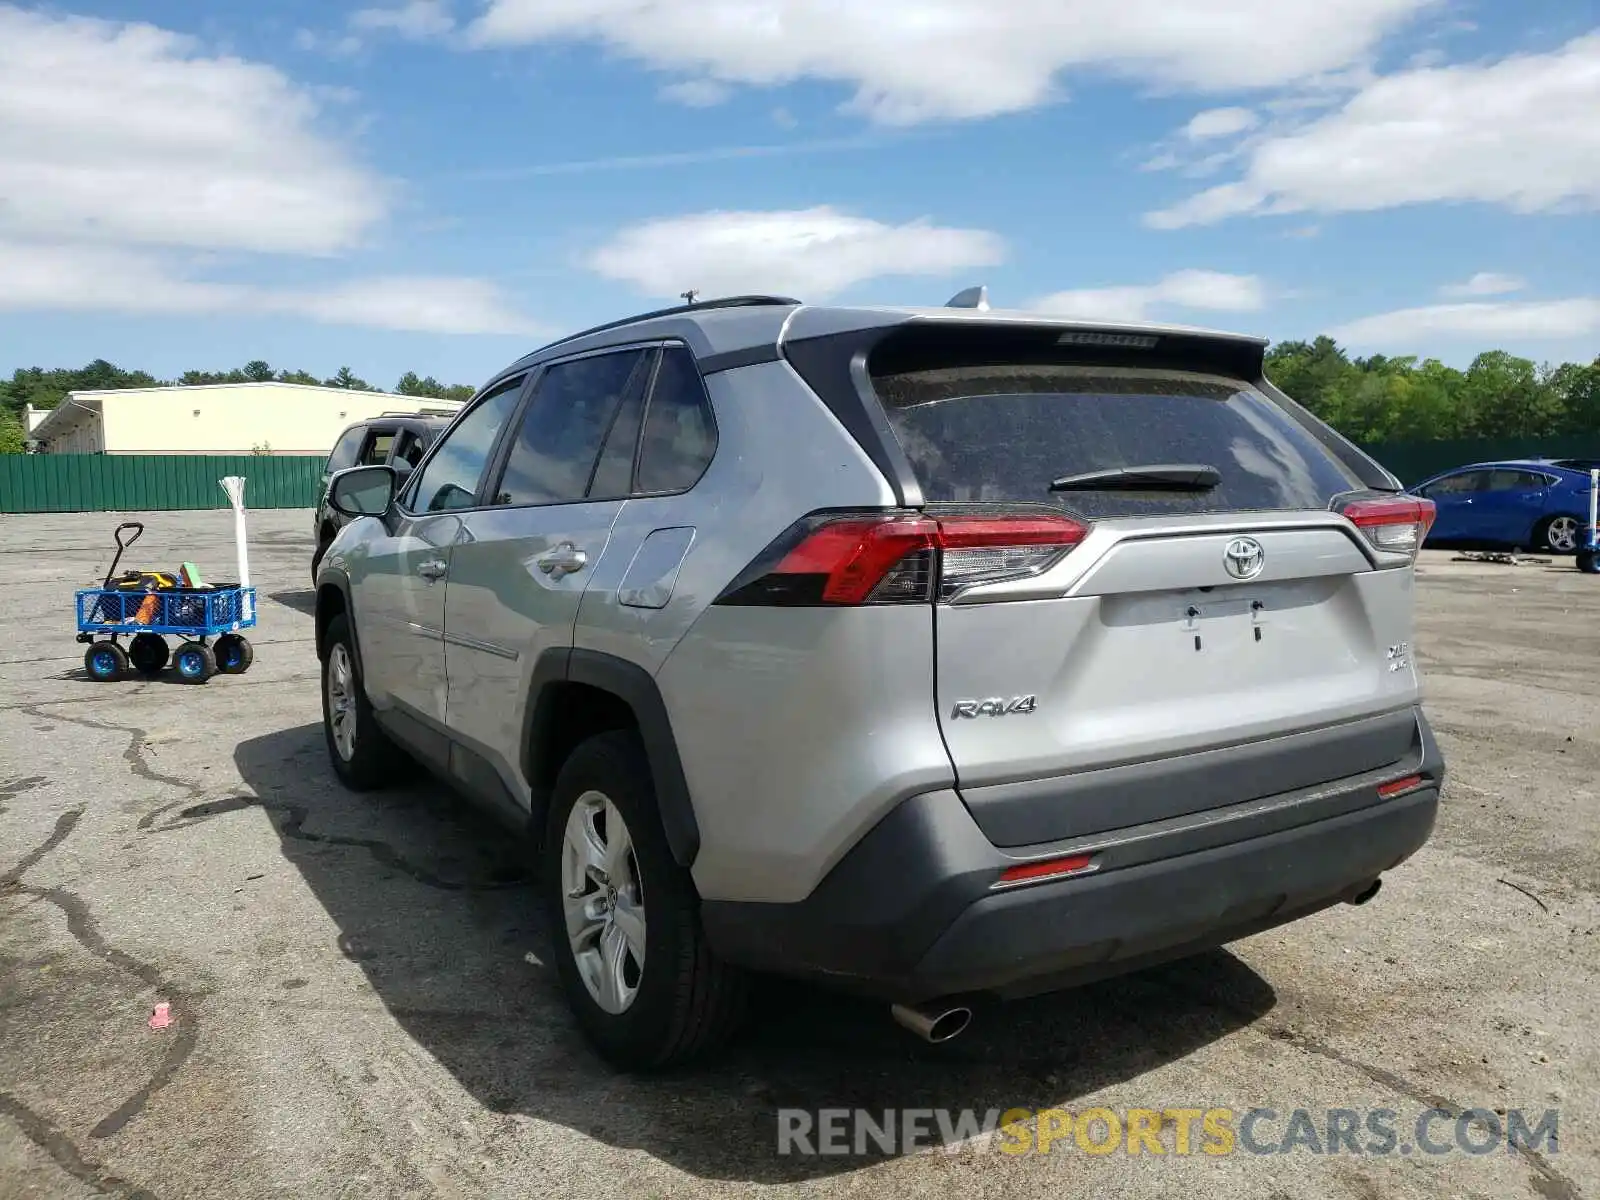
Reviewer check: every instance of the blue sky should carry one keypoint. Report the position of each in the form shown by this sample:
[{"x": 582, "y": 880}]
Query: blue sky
[{"x": 440, "y": 185}]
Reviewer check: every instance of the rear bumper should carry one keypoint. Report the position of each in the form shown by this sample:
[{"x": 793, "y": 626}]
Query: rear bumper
[{"x": 911, "y": 913}]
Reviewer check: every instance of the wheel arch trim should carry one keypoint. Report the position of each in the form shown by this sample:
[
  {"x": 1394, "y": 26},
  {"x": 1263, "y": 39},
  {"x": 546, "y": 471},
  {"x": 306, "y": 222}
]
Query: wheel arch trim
[{"x": 636, "y": 688}]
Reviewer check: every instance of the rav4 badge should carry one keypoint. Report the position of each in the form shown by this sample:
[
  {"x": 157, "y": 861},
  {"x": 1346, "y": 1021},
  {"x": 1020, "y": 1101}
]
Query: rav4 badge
[{"x": 996, "y": 707}]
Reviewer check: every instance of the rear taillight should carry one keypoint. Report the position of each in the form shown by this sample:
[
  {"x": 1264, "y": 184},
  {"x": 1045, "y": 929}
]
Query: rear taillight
[
  {"x": 900, "y": 557},
  {"x": 1393, "y": 524}
]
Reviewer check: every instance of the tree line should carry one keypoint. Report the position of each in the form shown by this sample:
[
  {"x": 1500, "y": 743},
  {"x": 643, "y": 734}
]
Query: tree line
[
  {"x": 1378, "y": 399},
  {"x": 1369, "y": 400}
]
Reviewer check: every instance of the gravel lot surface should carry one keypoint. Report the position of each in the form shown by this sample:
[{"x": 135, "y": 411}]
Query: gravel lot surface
[{"x": 361, "y": 1007}]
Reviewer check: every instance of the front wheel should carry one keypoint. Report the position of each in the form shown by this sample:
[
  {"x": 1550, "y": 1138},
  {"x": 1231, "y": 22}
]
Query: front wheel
[
  {"x": 633, "y": 960},
  {"x": 195, "y": 662},
  {"x": 1559, "y": 535}
]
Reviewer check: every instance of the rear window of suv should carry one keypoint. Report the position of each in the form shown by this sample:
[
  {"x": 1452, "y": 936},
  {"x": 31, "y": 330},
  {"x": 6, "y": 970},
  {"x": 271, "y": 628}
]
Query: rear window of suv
[{"x": 1001, "y": 434}]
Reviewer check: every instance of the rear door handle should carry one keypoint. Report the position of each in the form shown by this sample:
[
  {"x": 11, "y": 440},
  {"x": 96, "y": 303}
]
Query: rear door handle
[
  {"x": 563, "y": 560},
  {"x": 433, "y": 569}
]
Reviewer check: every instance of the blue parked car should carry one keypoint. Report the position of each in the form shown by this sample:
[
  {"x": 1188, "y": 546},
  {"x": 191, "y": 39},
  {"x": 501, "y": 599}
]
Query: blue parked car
[{"x": 1520, "y": 504}]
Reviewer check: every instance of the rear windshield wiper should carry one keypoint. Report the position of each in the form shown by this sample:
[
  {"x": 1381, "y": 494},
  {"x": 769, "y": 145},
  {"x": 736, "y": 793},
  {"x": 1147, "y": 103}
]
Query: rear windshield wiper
[{"x": 1157, "y": 477}]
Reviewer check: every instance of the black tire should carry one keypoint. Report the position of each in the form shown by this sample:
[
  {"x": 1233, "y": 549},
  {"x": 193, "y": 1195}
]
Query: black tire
[
  {"x": 324, "y": 540},
  {"x": 373, "y": 760},
  {"x": 148, "y": 653},
  {"x": 1589, "y": 562},
  {"x": 1541, "y": 535},
  {"x": 688, "y": 1003},
  {"x": 106, "y": 662},
  {"x": 194, "y": 662},
  {"x": 234, "y": 654}
]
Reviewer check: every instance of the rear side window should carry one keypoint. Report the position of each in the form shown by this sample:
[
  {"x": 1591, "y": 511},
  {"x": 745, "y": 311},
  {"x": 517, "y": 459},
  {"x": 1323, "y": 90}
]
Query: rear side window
[
  {"x": 680, "y": 435},
  {"x": 348, "y": 448},
  {"x": 1516, "y": 481},
  {"x": 1001, "y": 434}
]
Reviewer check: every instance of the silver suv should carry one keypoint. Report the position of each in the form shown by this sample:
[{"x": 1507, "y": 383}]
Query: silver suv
[{"x": 935, "y": 654}]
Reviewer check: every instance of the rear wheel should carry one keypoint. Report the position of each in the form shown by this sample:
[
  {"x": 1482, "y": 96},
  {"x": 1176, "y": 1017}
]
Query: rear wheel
[
  {"x": 195, "y": 662},
  {"x": 1589, "y": 562},
  {"x": 234, "y": 654},
  {"x": 1559, "y": 535},
  {"x": 148, "y": 653},
  {"x": 363, "y": 756},
  {"x": 641, "y": 980},
  {"x": 106, "y": 662}
]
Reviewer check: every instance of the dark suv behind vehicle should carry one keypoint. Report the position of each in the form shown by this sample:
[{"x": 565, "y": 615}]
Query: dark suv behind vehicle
[{"x": 397, "y": 440}]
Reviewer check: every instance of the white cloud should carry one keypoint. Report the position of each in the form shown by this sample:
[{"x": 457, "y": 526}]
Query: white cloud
[
  {"x": 1484, "y": 283},
  {"x": 430, "y": 304},
  {"x": 696, "y": 93},
  {"x": 97, "y": 278},
  {"x": 1530, "y": 320},
  {"x": 1212, "y": 291},
  {"x": 127, "y": 132},
  {"x": 912, "y": 60},
  {"x": 1219, "y": 122},
  {"x": 333, "y": 45},
  {"x": 418, "y": 20},
  {"x": 811, "y": 253},
  {"x": 1521, "y": 133}
]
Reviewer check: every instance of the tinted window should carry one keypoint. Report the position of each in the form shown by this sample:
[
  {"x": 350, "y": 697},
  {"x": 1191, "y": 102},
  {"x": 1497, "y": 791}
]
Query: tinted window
[
  {"x": 679, "y": 433},
  {"x": 1455, "y": 485},
  {"x": 450, "y": 480},
  {"x": 986, "y": 434},
  {"x": 555, "y": 449},
  {"x": 411, "y": 451},
  {"x": 377, "y": 448},
  {"x": 344, "y": 454},
  {"x": 1515, "y": 481},
  {"x": 613, "y": 477}
]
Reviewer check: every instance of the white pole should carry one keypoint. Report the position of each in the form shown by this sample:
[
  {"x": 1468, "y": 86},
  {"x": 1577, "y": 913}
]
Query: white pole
[
  {"x": 233, "y": 485},
  {"x": 1594, "y": 501}
]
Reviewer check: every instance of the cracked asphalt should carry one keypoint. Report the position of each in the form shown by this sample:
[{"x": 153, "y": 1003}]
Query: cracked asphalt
[{"x": 361, "y": 1005}]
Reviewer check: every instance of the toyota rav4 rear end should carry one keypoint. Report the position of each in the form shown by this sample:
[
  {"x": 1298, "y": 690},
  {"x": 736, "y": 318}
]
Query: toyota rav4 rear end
[{"x": 1116, "y": 667}]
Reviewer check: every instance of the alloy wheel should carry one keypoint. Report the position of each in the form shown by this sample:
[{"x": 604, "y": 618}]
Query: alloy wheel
[{"x": 602, "y": 899}]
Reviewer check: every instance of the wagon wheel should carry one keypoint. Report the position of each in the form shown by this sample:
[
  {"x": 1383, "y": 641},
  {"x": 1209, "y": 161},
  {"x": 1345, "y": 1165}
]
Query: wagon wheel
[
  {"x": 148, "y": 653},
  {"x": 234, "y": 654}
]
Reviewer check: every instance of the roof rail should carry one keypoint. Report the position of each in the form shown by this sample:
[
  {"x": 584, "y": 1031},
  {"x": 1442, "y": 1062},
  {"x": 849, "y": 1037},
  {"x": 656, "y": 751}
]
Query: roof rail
[{"x": 697, "y": 306}]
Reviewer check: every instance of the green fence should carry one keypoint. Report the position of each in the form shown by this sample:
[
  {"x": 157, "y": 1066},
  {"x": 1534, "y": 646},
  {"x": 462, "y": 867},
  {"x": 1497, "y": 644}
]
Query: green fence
[
  {"x": 152, "y": 482},
  {"x": 32, "y": 483},
  {"x": 1412, "y": 462}
]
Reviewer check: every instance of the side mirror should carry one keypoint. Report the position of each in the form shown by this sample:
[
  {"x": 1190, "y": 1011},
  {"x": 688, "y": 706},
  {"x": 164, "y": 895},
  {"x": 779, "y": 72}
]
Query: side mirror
[{"x": 363, "y": 491}]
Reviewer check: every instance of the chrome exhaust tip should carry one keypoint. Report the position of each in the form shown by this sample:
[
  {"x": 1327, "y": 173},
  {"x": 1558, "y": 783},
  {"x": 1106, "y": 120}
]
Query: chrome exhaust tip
[
  {"x": 1361, "y": 895},
  {"x": 935, "y": 1023}
]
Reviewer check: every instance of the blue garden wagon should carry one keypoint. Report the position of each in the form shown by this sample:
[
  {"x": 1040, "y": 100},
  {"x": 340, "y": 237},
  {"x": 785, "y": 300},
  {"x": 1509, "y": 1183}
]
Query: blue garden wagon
[{"x": 148, "y": 618}]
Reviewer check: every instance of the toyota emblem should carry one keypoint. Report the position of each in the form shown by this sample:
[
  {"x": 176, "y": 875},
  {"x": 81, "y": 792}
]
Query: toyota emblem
[{"x": 1243, "y": 557}]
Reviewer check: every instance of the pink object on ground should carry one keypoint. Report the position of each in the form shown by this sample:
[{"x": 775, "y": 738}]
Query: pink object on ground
[{"x": 162, "y": 1017}]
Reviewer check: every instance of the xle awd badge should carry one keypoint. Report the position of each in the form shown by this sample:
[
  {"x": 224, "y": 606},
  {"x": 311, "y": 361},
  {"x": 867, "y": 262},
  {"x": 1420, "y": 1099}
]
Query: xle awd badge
[
  {"x": 995, "y": 707},
  {"x": 1243, "y": 558}
]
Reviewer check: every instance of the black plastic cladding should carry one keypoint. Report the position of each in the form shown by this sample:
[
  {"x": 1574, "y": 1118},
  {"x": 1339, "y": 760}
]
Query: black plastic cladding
[{"x": 835, "y": 367}]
